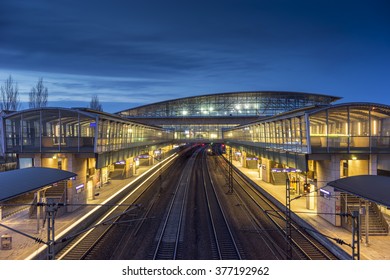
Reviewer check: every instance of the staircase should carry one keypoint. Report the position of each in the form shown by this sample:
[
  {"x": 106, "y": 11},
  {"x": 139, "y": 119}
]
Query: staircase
[
  {"x": 377, "y": 225},
  {"x": 117, "y": 174},
  {"x": 56, "y": 192},
  {"x": 279, "y": 178}
]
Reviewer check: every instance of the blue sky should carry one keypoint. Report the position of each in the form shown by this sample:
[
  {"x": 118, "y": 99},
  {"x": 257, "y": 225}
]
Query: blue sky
[{"x": 137, "y": 52}]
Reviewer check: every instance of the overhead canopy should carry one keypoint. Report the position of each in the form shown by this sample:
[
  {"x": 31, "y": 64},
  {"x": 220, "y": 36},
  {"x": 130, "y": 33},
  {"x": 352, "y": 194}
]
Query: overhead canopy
[
  {"x": 371, "y": 187},
  {"x": 17, "y": 182}
]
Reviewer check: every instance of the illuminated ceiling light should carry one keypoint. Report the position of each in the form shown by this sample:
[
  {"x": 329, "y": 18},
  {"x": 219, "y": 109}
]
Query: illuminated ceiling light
[
  {"x": 185, "y": 112},
  {"x": 354, "y": 158}
]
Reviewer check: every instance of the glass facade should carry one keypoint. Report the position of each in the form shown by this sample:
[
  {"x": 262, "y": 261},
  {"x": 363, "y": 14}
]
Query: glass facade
[
  {"x": 351, "y": 129},
  {"x": 208, "y": 132},
  {"x": 344, "y": 128},
  {"x": 258, "y": 103},
  {"x": 283, "y": 134},
  {"x": 289, "y": 138},
  {"x": 67, "y": 130},
  {"x": 205, "y": 117}
]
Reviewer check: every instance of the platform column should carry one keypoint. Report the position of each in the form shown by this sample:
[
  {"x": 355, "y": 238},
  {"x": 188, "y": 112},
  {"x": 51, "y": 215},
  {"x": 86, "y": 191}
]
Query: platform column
[{"x": 373, "y": 165}]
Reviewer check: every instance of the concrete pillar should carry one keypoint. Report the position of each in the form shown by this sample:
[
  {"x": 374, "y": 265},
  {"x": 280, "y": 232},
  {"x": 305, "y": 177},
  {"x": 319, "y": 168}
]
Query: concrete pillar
[
  {"x": 129, "y": 167},
  {"x": 78, "y": 166},
  {"x": 266, "y": 170},
  {"x": 37, "y": 160},
  {"x": 134, "y": 168},
  {"x": 328, "y": 170},
  {"x": 151, "y": 157},
  {"x": 243, "y": 159},
  {"x": 373, "y": 165}
]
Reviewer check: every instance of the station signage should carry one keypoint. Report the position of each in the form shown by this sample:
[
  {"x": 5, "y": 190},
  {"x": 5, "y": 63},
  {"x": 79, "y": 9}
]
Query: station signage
[
  {"x": 294, "y": 170},
  {"x": 79, "y": 188},
  {"x": 325, "y": 194}
]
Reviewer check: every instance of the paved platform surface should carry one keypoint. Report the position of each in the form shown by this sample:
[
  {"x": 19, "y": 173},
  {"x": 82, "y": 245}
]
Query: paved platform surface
[
  {"x": 378, "y": 247},
  {"x": 23, "y": 247}
]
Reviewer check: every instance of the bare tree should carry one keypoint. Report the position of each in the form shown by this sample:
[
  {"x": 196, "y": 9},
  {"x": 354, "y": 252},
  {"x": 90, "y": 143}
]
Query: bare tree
[
  {"x": 95, "y": 104},
  {"x": 38, "y": 95},
  {"x": 9, "y": 95}
]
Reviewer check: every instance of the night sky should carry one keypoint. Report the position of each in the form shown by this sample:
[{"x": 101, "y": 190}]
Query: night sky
[{"x": 137, "y": 52}]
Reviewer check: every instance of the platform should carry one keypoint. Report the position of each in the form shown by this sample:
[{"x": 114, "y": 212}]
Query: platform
[
  {"x": 378, "y": 247},
  {"x": 24, "y": 248}
]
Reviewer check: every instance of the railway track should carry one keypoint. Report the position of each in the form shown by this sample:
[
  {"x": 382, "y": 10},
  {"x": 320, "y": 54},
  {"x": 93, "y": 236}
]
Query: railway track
[
  {"x": 224, "y": 241},
  {"x": 303, "y": 245},
  {"x": 84, "y": 242},
  {"x": 169, "y": 238}
]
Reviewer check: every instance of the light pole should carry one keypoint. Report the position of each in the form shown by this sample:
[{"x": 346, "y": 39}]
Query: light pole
[
  {"x": 355, "y": 235},
  {"x": 51, "y": 208},
  {"x": 288, "y": 220}
]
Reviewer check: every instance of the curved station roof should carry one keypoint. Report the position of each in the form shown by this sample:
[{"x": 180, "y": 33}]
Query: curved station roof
[
  {"x": 16, "y": 181},
  {"x": 234, "y": 104},
  {"x": 371, "y": 187}
]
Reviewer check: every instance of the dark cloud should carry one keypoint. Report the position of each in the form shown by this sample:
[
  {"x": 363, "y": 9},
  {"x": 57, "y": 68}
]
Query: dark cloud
[{"x": 155, "y": 49}]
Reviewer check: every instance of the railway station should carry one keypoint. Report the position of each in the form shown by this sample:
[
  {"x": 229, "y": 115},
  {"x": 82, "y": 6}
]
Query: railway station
[
  {"x": 92, "y": 144},
  {"x": 278, "y": 139}
]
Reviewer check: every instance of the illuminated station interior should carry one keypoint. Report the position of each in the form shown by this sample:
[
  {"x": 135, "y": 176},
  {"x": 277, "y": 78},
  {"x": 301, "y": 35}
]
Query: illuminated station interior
[{"x": 311, "y": 139}]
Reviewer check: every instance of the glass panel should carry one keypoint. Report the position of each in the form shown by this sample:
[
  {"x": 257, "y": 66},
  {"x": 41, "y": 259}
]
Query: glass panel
[
  {"x": 50, "y": 130},
  {"x": 87, "y": 132},
  {"x": 31, "y": 131},
  {"x": 359, "y": 129},
  {"x": 12, "y": 136},
  {"x": 69, "y": 130}
]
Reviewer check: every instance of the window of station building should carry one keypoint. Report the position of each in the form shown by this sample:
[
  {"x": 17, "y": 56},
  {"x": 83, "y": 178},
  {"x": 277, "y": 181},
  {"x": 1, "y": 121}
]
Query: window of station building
[
  {"x": 302, "y": 125},
  {"x": 262, "y": 133},
  {"x": 87, "y": 131},
  {"x": 359, "y": 128},
  {"x": 338, "y": 128},
  {"x": 278, "y": 132},
  {"x": 50, "y": 120},
  {"x": 25, "y": 163},
  {"x": 31, "y": 130},
  {"x": 12, "y": 132},
  {"x": 319, "y": 131}
]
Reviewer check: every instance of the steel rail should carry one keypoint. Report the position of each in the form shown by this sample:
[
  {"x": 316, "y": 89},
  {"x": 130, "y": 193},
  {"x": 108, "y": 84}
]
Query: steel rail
[
  {"x": 168, "y": 239},
  {"x": 83, "y": 244},
  {"x": 310, "y": 248},
  {"x": 224, "y": 239}
]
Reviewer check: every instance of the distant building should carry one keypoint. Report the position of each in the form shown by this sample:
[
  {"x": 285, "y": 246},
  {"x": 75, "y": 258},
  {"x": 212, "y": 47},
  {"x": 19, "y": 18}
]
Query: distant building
[{"x": 202, "y": 118}]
